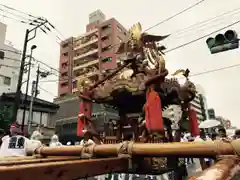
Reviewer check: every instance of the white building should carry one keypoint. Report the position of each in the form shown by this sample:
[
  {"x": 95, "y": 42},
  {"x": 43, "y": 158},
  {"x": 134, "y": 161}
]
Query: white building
[
  {"x": 199, "y": 104},
  {"x": 9, "y": 64}
]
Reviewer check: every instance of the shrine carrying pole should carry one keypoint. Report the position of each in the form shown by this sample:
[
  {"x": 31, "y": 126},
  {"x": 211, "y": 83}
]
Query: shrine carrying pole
[{"x": 179, "y": 149}]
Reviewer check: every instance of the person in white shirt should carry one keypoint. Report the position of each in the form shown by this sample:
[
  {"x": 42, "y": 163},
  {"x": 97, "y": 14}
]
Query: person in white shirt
[
  {"x": 87, "y": 139},
  {"x": 206, "y": 162},
  {"x": 55, "y": 141},
  {"x": 17, "y": 145},
  {"x": 69, "y": 143}
]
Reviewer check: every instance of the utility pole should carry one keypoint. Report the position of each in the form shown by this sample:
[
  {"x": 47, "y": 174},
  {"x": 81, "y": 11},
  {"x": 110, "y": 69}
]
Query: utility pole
[
  {"x": 34, "y": 94},
  {"x": 28, "y": 78},
  {"x": 31, "y": 106},
  {"x": 21, "y": 72}
]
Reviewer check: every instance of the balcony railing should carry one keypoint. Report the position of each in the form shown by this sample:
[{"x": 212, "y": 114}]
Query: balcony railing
[
  {"x": 86, "y": 34},
  {"x": 85, "y": 75},
  {"x": 86, "y": 54},
  {"x": 85, "y": 44},
  {"x": 90, "y": 63}
]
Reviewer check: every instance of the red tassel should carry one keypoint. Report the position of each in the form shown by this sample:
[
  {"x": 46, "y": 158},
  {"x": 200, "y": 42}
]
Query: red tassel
[
  {"x": 153, "y": 112},
  {"x": 86, "y": 110},
  {"x": 193, "y": 122}
]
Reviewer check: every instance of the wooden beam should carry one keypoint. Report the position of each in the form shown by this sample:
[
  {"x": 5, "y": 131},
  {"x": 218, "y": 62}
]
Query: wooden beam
[
  {"x": 15, "y": 161},
  {"x": 74, "y": 169},
  {"x": 180, "y": 149},
  {"x": 227, "y": 168}
]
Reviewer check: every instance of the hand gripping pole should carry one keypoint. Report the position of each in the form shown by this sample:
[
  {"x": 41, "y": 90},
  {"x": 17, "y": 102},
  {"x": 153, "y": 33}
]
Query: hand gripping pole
[
  {"x": 87, "y": 151},
  {"x": 125, "y": 150}
]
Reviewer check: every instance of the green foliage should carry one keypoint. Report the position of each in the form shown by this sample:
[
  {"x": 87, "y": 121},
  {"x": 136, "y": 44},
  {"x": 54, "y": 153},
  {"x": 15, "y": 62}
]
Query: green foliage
[{"x": 5, "y": 115}]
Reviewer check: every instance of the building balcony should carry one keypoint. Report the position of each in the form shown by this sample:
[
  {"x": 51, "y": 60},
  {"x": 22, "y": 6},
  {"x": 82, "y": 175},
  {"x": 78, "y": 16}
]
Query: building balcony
[
  {"x": 88, "y": 43},
  {"x": 63, "y": 89},
  {"x": 87, "y": 64},
  {"x": 86, "y": 75},
  {"x": 91, "y": 52},
  {"x": 86, "y": 34}
]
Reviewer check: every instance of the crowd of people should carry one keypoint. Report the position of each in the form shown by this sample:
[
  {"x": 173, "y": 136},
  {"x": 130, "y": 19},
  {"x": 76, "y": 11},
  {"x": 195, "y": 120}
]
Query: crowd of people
[
  {"x": 221, "y": 134},
  {"x": 14, "y": 143}
]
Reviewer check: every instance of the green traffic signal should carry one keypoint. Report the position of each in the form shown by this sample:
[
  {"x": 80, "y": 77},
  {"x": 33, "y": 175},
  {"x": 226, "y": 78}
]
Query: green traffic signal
[{"x": 223, "y": 42}]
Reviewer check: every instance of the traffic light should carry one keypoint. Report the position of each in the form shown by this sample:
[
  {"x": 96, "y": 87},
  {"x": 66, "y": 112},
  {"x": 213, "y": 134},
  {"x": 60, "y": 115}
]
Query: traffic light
[{"x": 223, "y": 42}]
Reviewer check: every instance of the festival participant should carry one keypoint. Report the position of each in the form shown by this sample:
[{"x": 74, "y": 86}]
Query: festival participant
[
  {"x": 69, "y": 143},
  {"x": 237, "y": 134},
  {"x": 87, "y": 139},
  {"x": 55, "y": 141},
  {"x": 222, "y": 133},
  {"x": 206, "y": 162},
  {"x": 16, "y": 144}
]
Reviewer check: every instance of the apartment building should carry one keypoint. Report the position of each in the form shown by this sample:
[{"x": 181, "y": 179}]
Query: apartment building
[
  {"x": 90, "y": 54},
  {"x": 9, "y": 63},
  {"x": 199, "y": 104}
]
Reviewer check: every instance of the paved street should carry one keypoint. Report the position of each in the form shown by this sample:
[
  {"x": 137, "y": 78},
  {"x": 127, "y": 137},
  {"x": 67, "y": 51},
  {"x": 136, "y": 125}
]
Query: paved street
[{"x": 194, "y": 168}]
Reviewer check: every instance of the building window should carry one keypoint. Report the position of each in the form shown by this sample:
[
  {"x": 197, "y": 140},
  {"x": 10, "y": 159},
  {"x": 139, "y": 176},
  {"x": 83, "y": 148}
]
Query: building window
[
  {"x": 74, "y": 84},
  {"x": 109, "y": 59},
  {"x": 106, "y": 27},
  {"x": 105, "y": 38},
  {"x": 2, "y": 55},
  {"x": 64, "y": 65},
  {"x": 65, "y": 75},
  {"x": 64, "y": 84},
  {"x": 106, "y": 48},
  {"x": 6, "y": 80},
  {"x": 65, "y": 54},
  {"x": 119, "y": 39},
  {"x": 65, "y": 45},
  {"x": 119, "y": 29}
]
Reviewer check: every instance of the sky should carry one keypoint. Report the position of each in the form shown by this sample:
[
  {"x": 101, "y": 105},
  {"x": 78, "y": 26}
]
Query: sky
[{"x": 71, "y": 17}]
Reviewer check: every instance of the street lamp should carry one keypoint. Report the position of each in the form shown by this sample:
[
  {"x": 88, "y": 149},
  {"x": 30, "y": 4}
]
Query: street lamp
[{"x": 28, "y": 78}]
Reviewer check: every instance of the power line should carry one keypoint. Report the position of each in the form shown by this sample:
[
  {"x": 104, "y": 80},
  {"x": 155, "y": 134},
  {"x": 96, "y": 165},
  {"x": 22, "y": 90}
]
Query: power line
[
  {"x": 31, "y": 20},
  {"x": 202, "y": 23},
  {"x": 19, "y": 16},
  {"x": 193, "y": 75},
  {"x": 190, "y": 42},
  {"x": 215, "y": 70},
  {"x": 173, "y": 16},
  {"x": 195, "y": 40},
  {"x": 47, "y": 91},
  {"x": 11, "y": 8},
  {"x": 21, "y": 21}
]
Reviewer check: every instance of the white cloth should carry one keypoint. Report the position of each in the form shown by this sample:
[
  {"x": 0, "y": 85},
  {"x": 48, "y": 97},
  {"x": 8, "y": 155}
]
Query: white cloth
[
  {"x": 69, "y": 143},
  {"x": 55, "y": 144},
  {"x": 184, "y": 139},
  {"x": 17, "y": 146},
  {"x": 88, "y": 142},
  {"x": 5, "y": 137}
]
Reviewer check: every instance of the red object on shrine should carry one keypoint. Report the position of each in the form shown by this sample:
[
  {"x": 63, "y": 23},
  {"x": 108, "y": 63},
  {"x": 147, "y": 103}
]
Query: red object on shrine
[
  {"x": 153, "y": 113},
  {"x": 85, "y": 110},
  {"x": 193, "y": 122}
]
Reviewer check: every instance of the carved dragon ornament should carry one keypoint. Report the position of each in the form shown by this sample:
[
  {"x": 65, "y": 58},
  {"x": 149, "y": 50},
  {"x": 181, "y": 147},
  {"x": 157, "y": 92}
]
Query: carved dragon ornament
[{"x": 147, "y": 62}]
